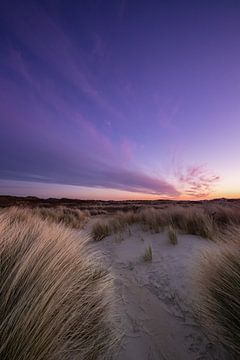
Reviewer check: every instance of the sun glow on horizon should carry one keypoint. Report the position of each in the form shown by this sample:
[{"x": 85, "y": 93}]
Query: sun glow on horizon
[
  {"x": 122, "y": 104},
  {"x": 43, "y": 190}
]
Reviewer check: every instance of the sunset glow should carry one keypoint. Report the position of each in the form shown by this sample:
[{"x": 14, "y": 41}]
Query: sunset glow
[{"x": 120, "y": 99}]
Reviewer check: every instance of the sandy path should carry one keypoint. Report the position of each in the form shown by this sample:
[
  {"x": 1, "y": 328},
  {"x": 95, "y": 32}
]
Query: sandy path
[{"x": 157, "y": 298}]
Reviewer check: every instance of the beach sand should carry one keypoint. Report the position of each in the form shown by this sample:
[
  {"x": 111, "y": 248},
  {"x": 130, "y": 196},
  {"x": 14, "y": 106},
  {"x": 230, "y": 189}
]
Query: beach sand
[{"x": 157, "y": 300}]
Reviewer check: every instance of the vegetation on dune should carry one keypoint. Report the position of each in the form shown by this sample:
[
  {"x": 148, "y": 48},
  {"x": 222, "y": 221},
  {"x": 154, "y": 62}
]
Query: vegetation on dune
[
  {"x": 220, "y": 301},
  {"x": 192, "y": 221},
  {"x": 207, "y": 222},
  {"x": 56, "y": 299},
  {"x": 147, "y": 257},
  {"x": 100, "y": 230},
  {"x": 172, "y": 234},
  {"x": 70, "y": 217}
]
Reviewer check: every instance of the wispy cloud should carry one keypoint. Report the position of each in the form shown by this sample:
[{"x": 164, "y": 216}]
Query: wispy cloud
[
  {"x": 197, "y": 181},
  {"x": 90, "y": 174},
  {"x": 53, "y": 109},
  {"x": 57, "y": 144}
]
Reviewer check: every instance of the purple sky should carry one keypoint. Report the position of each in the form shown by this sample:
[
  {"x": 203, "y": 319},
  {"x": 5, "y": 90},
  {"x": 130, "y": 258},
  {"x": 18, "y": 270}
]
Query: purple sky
[{"x": 120, "y": 99}]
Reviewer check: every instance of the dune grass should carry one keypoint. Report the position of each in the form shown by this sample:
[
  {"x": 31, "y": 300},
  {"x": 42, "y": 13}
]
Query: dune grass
[
  {"x": 100, "y": 230},
  {"x": 147, "y": 257},
  {"x": 172, "y": 234},
  {"x": 224, "y": 216},
  {"x": 207, "y": 222},
  {"x": 56, "y": 299},
  {"x": 70, "y": 217},
  {"x": 220, "y": 302},
  {"x": 194, "y": 221}
]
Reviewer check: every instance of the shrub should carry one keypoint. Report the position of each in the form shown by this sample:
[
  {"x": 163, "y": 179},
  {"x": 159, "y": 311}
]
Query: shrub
[{"x": 55, "y": 300}]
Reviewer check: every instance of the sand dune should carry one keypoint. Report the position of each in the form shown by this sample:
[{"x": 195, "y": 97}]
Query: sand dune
[{"x": 158, "y": 299}]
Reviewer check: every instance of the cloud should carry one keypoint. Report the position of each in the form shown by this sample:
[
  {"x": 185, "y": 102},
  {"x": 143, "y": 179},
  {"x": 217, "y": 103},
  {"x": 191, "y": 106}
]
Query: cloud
[
  {"x": 46, "y": 139},
  {"x": 197, "y": 181},
  {"x": 45, "y": 133},
  {"x": 137, "y": 181},
  {"x": 90, "y": 174}
]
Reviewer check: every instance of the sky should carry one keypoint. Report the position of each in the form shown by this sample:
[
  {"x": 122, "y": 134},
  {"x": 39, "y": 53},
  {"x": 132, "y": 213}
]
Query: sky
[{"x": 120, "y": 99}]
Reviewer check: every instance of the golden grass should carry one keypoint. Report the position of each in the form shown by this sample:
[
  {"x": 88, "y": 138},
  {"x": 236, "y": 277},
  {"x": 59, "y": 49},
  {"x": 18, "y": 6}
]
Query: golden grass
[
  {"x": 147, "y": 257},
  {"x": 220, "y": 285},
  {"x": 70, "y": 217},
  {"x": 195, "y": 220},
  {"x": 224, "y": 216},
  {"x": 206, "y": 222},
  {"x": 172, "y": 234},
  {"x": 55, "y": 298},
  {"x": 152, "y": 219},
  {"x": 100, "y": 230}
]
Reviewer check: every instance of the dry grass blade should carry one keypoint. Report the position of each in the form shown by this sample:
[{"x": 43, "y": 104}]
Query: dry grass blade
[
  {"x": 220, "y": 284},
  {"x": 172, "y": 234},
  {"x": 70, "y": 217},
  {"x": 148, "y": 254},
  {"x": 100, "y": 230},
  {"x": 55, "y": 297},
  {"x": 192, "y": 221}
]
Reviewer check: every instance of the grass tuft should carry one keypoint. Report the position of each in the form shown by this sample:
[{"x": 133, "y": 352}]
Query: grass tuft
[
  {"x": 56, "y": 298},
  {"x": 220, "y": 284},
  {"x": 147, "y": 257},
  {"x": 192, "y": 221},
  {"x": 172, "y": 234},
  {"x": 100, "y": 230},
  {"x": 70, "y": 217}
]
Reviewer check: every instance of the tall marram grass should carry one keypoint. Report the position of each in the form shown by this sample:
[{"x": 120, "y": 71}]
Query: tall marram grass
[
  {"x": 172, "y": 234},
  {"x": 220, "y": 300},
  {"x": 56, "y": 298},
  {"x": 100, "y": 231},
  {"x": 195, "y": 221},
  {"x": 70, "y": 217}
]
